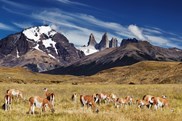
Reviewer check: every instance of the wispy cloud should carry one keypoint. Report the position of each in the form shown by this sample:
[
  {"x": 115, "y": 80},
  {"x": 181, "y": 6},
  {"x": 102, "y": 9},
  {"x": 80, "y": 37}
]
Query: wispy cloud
[
  {"x": 15, "y": 4},
  {"x": 78, "y": 26},
  {"x": 22, "y": 25},
  {"x": 155, "y": 36},
  {"x": 71, "y": 2},
  {"x": 136, "y": 32},
  {"x": 115, "y": 27},
  {"x": 6, "y": 27},
  {"x": 76, "y": 33},
  {"x": 14, "y": 11}
]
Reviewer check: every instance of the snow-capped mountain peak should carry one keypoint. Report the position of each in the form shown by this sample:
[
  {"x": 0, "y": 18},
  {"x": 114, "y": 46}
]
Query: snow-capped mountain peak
[
  {"x": 42, "y": 34},
  {"x": 38, "y": 48},
  {"x": 35, "y": 33}
]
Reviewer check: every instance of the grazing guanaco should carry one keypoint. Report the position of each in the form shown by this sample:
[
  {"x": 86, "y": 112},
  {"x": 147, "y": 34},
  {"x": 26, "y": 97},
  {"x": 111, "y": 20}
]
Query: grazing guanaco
[
  {"x": 100, "y": 97},
  {"x": 112, "y": 97},
  {"x": 74, "y": 97},
  {"x": 141, "y": 103},
  {"x": 39, "y": 102},
  {"x": 128, "y": 100},
  {"x": 160, "y": 102},
  {"x": 148, "y": 99},
  {"x": 15, "y": 93},
  {"x": 88, "y": 100}
]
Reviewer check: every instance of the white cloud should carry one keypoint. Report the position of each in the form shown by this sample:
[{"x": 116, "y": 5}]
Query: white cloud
[
  {"x": 71, "y": 2},
  {"x": 157, "y": 40},
  {"x": 15, "y": 12},
  {"x": 16, "y": 4},
  {"x": 136, "y": 32},
  {"x": 77, "y": 31},
  {"x": 161, "y": 41},
  {"x": 6, "y": 27},
  {"x": 115, "y": 27},
  {"x": 77, "y": 26},
  {"x": 77, "y": 34},
  {"x": 22, "y": 25},
  {"x": 151, "y": 31}
]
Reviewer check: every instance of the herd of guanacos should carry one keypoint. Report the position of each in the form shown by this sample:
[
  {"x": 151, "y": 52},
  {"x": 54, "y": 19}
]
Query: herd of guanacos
[{"x": 85, "y": 100}]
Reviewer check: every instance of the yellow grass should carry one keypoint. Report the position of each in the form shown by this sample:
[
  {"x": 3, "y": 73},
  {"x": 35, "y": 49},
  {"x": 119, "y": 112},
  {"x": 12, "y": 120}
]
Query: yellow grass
[
  {"x": 68, "y": 111},
  {"x": 146, "y": 72}
]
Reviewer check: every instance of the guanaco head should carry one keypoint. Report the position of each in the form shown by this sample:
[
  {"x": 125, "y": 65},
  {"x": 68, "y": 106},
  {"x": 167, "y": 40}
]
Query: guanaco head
[
  {"x": 163, "y": 96},
  {"x": 97, "y": 110},
  {"x": 52, "y": 110},
  {"x": 45, "y": 89}
]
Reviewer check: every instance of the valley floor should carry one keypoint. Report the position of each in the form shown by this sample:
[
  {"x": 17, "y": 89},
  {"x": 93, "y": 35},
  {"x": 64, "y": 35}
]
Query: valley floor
[{"x": 66, "y": 110}]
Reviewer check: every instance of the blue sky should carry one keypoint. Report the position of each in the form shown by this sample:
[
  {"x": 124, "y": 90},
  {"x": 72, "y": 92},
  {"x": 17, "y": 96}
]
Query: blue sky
[{"x": 157, "y": 21}]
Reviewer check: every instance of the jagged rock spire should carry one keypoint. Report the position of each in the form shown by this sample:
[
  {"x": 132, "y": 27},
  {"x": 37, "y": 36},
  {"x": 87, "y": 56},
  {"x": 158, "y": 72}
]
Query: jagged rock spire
[
  {"x": 113, "y": 43},
  {"x": 104, "y": 43},
  {"x": 92, "y": 41}
]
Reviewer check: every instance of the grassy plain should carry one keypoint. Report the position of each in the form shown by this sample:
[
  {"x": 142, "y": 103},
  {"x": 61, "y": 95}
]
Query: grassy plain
[{"x": 66, "y": 110}]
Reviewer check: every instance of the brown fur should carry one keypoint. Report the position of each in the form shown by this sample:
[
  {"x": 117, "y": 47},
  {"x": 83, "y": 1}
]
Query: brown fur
[
  {"x": 15, "y": 93},
  {"x": 101, "y": 97},
  {"x": 50, "y": 96},
  {"x": 128, "y": 100},
  {"x": 141, "y": 103},
  {"x": 88, "y": 100},
  {"x": 160, "y": 102},
  {"x": 112, "y": 97},
  {"x": 7, "y": 102},
  {"x": 33, "y": 101},
  {"x": 148, "y": 99}
]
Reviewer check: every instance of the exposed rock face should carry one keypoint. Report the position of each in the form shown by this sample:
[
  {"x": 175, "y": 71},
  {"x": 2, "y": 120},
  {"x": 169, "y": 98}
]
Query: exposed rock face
[
  {"x": 113, "y": 43},
  {"x": 94, "y": 47},
  {"x": 131, "y": 51},
  {"x": 104, "y": 43},
  {"x": 38, "y": 48},
  {"x": 92, "y": 41},
  {"x": 126, "y": 41}
]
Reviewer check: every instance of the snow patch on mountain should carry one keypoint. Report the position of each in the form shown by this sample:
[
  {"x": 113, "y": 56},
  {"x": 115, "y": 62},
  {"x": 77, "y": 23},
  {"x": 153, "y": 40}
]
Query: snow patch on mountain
[
  {"x": 88, "y": 50},
  {"x": 51, "y": 56},
  {"x": 34, "y": 33},
  {"x": 50, "y": 43},
  {"x": 17, "y": 54}
]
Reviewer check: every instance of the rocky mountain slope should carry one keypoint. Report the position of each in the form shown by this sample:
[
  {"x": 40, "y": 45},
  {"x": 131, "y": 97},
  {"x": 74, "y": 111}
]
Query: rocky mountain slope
[
  {"x": 37, "y": 48},
  {"x": 93, "y": 46},
  {"x": 131, "y": 51}
]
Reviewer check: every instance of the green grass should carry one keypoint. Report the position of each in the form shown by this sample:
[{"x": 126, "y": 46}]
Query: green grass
[{"x": 68, "y": 111}]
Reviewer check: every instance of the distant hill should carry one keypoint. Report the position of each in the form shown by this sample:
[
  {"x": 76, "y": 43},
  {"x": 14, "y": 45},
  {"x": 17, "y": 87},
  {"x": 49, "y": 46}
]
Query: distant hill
[
  {"x": 131, "y": 51},
  {"x": 22, "y": 75},
  {"x": 145, "y": 72}
]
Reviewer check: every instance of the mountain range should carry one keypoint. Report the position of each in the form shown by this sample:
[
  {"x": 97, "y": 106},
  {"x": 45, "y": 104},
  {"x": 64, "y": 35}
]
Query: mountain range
[
  {"x": 130, "y": 51},
  {"x": 43, "y": 49}
]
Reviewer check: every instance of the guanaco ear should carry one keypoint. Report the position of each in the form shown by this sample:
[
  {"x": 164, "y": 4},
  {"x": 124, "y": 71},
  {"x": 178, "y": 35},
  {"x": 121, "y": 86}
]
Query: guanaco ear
[
  {"x": 45, "y": 89},
  {"x": 163, "y": 96}
]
